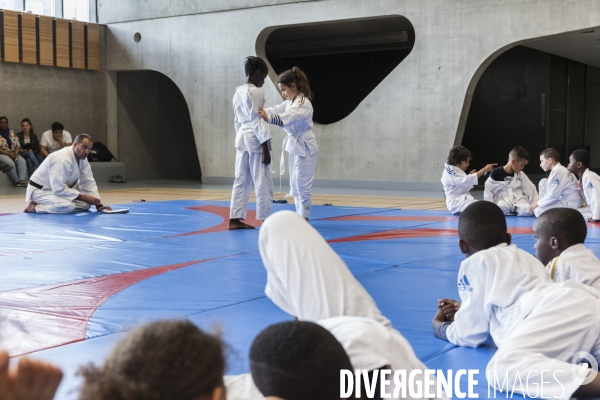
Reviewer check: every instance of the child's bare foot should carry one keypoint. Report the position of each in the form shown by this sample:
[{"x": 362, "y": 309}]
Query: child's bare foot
[
  {"x": 30, "y": 208},
  {"x": 237, "y": 224}
]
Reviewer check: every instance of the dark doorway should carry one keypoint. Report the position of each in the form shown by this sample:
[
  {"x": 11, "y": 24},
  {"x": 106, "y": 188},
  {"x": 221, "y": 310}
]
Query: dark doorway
[
  {"x": 156, "y": 139},
  {"x": 344, "y": 60},
  {"x": 527, "y": 98}
]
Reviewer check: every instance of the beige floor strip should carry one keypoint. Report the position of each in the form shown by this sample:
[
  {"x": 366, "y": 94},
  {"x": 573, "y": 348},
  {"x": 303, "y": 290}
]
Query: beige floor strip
[{"x": 14, "y": 203}]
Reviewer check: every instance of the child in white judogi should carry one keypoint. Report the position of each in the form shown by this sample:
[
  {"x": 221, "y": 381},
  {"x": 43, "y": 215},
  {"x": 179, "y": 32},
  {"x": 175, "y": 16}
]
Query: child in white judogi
[
  {"x": 369, "y": 345},
  {"x": 309, "y": 281},
  {"x": 559, "y": 238},
  {"x": 589, "y": 182},
  {"x": 560, "y": 189},
  {"x": 295, "y": 117},
  {"x": 538, "y": 325},
  {"x": 457, "y": 184},
  {"x": 253, "y": 152},
  {"x": 510, "y": 188}
]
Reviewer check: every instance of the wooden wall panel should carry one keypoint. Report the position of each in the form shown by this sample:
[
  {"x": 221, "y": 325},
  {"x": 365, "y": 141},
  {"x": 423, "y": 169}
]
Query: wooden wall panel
[
  {"x": 29, "y": 38},
  {"x": 46, "y": 41},
  {"x": 78, "y": 44},
  {"x": 93, "y": 46},
  {"x": 62, "y": 43},
  {"x": 11, "y": 36}
]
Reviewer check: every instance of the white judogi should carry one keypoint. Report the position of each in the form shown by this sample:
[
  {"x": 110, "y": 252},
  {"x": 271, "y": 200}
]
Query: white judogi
[
  {"x": 590, "y": 183},
  {"x": 560, "y": 189},
  {"x": 457, "y": 185},
  {"x": 537, "y": 325},
  {"x": 305, "y": 277},
  {"x": 58, "y": 174},
  {"x": 295, "y": 117},
  {"x": 513, "y": 196},
  {"x": 251, "y": 132},
  {"x": 577, "y": 263},
  {"x": 369, "y": 345}
]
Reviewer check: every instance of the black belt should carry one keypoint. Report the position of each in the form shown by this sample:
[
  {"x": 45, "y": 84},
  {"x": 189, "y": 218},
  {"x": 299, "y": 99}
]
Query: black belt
[{"x": 35, "y": 184}]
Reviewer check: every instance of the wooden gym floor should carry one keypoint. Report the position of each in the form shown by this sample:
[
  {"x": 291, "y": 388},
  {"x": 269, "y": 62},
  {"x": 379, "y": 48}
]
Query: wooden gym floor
[{"x": 14, "y": 201}]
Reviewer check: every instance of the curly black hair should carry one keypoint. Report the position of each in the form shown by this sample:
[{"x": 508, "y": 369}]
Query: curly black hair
[
  {"x": 255, "y": 64},
  {"x": 458, "y": 154}
]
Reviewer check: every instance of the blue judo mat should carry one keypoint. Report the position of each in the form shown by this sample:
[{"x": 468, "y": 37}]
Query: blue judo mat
[{"x": 216, "y": 278}]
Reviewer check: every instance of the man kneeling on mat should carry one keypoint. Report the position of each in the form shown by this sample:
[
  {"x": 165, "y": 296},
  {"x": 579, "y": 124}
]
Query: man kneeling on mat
[
  {"x": 539, "y": 326},
  {"x": 51, "y": 188}
]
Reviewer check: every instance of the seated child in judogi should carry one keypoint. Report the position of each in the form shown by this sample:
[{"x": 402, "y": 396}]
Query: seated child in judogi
[
  {"x": 559, "y": 238},
  {"x": 510, "y": 188},
  {"x": 560, "y": 189},
  {"x": 538, "y": 325},
  {"x": 589, "y": 182},
  {"x": 457, "y": 183}
]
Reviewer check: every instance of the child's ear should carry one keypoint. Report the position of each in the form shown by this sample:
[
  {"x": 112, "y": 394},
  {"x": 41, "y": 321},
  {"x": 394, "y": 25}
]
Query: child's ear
[
  {"x": 508, "y": 238},
  {"x": 554, "y": 243},
  {"x": 464, "y": 247},
  {"x": 218, "y": 394}
]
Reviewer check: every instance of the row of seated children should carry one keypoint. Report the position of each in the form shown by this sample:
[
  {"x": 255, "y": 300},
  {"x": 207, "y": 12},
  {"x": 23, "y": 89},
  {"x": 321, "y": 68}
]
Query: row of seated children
[
  {"x": 510, "y": 188},
  {"x": 506, "y": 293}
]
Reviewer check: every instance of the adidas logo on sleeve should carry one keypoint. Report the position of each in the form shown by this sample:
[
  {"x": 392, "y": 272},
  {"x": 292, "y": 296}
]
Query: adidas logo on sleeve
[
  {"x": 449, "y": 170},
  {"x": 556, "y": 181},
  {"x": 464, "y": 285}
]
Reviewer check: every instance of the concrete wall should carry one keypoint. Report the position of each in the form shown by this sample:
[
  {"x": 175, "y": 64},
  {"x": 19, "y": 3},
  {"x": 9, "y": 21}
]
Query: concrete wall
[
  {"x": 400, "y": 132},
  {"x": 110, "y": 11},
  {"x": 76, "y": 98}
]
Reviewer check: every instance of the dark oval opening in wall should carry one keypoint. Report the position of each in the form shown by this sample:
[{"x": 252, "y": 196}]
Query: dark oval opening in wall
[
  {"x": 344, "y": 60},
  {"x": 156, "y": 138}
]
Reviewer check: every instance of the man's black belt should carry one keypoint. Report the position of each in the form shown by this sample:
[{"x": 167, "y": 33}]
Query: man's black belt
[{"x": 35, "y": 184}]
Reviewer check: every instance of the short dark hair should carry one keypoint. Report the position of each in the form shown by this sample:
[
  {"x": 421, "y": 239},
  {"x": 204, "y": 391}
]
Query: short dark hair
[
  {"x": 79, "y": 138},
  {"x": 458, "y": 154},
  {"x": 255, "y": 64},
  {"x": 3, "y": 117},
  {"x": 551, "y": 153},
  {"x": 482, "y": 225},
  {"x": 57, "y": 126},
  {"x": 582, "y": 156},
  {"x": 566, "y": 224},
  {"x": 519, "y": 153},
  {"x": 298, "y": 360},
  {"x": 162, "y": 360}
]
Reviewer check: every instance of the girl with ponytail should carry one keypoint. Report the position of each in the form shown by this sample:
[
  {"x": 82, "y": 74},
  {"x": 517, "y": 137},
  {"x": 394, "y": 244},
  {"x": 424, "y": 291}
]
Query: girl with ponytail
[{"x": 295, "y": 117}]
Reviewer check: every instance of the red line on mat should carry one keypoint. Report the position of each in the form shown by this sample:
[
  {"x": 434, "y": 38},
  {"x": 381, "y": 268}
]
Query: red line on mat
[
  {"x": 414, "y": 233},
  {"x": 47, "y": 316},
  {"x": 223, "y": 212}
]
